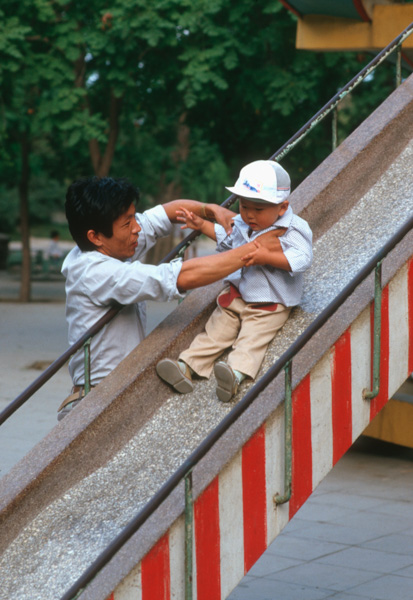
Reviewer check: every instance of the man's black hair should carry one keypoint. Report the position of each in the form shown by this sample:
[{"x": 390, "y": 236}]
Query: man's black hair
[{"x": 95, "y": 203}]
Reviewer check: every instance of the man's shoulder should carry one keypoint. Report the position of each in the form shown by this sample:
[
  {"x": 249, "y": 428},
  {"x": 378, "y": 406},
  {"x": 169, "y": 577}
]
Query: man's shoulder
[
  {"x": 153, "y": 214},
  {"x": 76, "y": 255},
  {"x": 81, "y": 264}
]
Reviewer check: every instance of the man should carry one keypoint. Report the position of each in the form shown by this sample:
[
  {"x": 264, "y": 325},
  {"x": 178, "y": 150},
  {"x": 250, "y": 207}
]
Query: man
[{"x": 103, "y": 269}]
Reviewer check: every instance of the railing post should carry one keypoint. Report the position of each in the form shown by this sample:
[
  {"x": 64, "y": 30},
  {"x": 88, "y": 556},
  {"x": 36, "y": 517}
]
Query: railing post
[
  {"x": 189, "y": 527},
  {"x": 334, "y": 128},
  {"x": 86, "y": 347},
  {"x": 398, "y": 65},
  {"x": 278, "y": 499},
  {"x": 367, "y": 394}
]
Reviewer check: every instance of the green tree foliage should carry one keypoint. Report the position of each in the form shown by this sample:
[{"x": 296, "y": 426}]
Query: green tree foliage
[
  {"x": 32, "y": 66},
  {"x": 175, "y": 94}
]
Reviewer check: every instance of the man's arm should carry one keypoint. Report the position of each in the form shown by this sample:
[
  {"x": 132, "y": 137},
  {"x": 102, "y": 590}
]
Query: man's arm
[
  {"x": 221, "y": 215},
  {"x": 197, "y": 272}
]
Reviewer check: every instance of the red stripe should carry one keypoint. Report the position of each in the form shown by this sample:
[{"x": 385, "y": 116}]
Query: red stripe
[
  {"x": 302, "y": 463},
  {"x": 254, "y": 498},
  {"x": 111, "y": 597},
  {"x": 358, "y": 5},
  {"x": 156, "y": 582},
  {"x": 381, "y": 399},
  {"x": 341, "y": 396},
  {"x": 290, "y": 8},
  {"x": 410, "y": 312},
  {"x": 207, "y": 543},
  {"x": 407, "y": 59}
]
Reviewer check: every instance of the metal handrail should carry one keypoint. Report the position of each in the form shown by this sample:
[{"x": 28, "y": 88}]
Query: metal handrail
[
  {"x": 180, "y": 248},
  {"x": 341, "y": 94},
  {"x": 231, "y": 417},
  {"x": 57, "y": 364},
  {"x": 330, "y": 106}
]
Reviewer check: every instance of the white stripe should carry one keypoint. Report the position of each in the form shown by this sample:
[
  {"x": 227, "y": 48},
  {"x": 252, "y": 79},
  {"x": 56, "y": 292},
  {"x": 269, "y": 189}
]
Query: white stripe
[
  {"x": 277, "y": 517},
  {"x": 321, "y": 418},
  {"x": 399, "y": 331},
  {"x": 177, "y": 558},
  {"x": 231, "y": 526},
  {"x": 131, "y": 587},
  {"x": 360, "y": 371}
]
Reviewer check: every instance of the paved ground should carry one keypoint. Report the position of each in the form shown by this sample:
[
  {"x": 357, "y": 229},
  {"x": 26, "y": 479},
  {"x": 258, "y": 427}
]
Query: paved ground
[{"x": 352, "y": 540}]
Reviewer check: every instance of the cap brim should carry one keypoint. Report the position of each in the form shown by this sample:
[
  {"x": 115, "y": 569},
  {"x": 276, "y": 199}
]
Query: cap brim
[{"x": 252, "y": 195}]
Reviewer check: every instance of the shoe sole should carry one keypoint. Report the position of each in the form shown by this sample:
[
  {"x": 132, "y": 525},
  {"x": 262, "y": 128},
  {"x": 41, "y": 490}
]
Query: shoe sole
[
  {"x": 67, "y": 409},
  {"x": 169, "y": 371},
  {"x": 226, "y": 382}
]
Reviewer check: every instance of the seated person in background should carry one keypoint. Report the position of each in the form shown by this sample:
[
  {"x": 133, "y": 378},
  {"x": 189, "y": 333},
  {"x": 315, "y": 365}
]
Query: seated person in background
[
  {"x": 259, "y": 297},
  {"x": 103, "y": 269},
  {"x": 54, "y": 251}
]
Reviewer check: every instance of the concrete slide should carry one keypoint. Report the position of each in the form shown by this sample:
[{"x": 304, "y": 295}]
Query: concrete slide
[{"x": 71, "y": 495}]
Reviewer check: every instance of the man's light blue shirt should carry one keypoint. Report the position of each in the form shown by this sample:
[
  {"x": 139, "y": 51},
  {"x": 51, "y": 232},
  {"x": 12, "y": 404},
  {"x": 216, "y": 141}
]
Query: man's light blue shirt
[{"x": 94, "y": 282}]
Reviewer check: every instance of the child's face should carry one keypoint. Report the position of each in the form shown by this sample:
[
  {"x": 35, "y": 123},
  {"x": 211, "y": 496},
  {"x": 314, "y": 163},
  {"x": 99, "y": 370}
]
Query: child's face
[{"x": 260, "y": 215}]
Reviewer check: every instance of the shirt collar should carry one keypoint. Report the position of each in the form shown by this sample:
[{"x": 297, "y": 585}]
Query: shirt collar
[{"x": 285, "y": 220}]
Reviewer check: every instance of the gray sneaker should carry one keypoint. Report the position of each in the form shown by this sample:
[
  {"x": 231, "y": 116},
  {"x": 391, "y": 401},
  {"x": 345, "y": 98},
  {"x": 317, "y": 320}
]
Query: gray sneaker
[
  {"x": 227, "y": 383},
  {"x": 170, "y": 371}
]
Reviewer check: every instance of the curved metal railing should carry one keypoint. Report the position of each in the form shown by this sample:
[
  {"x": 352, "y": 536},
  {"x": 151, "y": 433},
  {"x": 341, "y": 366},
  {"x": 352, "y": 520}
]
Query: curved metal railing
[{"x": 330, "y": 106}]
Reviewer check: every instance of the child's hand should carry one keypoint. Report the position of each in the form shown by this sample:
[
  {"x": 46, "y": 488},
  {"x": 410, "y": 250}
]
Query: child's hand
[
  {"x": 190, "y": 219},
  {"x": 259, "y": 256}
]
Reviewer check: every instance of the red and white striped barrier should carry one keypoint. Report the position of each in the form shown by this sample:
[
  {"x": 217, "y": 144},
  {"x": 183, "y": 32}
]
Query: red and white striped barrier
[{"x": 235, "y": 518}]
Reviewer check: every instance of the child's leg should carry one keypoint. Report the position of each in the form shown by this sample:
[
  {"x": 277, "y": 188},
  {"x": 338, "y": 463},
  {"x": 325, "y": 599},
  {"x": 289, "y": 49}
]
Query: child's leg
[
  {"x": 220, "y": 332},
  {"x": 258, "y": 328}
]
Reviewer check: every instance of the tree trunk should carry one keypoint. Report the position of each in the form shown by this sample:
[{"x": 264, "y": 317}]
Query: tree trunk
[
  {"x": 101, "y": 164},
  {"x": 25, "y": 287},
  {"x": 172, "y": 191},
  {"x": 164, "y": 245}
]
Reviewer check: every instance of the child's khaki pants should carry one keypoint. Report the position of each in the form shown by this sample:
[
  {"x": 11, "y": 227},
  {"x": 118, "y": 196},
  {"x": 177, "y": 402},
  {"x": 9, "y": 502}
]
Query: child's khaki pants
[{"x": 248, "y": 328}]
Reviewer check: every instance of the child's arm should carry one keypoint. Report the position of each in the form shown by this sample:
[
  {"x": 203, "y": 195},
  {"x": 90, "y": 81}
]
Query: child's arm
[
  {"x": 264, "y": 256},
  {"x": 195, "y": 222}
]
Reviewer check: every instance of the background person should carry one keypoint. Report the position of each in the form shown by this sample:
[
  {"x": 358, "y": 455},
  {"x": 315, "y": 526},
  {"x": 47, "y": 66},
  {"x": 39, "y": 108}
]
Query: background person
[{"x": 54, "y": 252}]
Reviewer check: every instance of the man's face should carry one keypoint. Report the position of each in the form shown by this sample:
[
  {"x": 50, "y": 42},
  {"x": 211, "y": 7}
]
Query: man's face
[
  {"x": 124, "y": 241},
  {"x": 260, "y": 215}
]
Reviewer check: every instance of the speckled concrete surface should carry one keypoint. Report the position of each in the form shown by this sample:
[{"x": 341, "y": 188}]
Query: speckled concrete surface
[{"x": 65, "y": 537}]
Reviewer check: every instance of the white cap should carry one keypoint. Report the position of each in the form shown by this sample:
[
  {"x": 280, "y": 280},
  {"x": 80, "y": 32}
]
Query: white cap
[{"x": 264, "y": 181}]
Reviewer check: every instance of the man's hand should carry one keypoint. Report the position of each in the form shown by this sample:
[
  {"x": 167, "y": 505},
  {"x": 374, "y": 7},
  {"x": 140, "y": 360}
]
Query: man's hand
[
  {"x": 259, "y": 256},
  {"x": 268, "y": 251},
  {"x": 270, "y": 239},
  {"x": 221, "y": 215}
]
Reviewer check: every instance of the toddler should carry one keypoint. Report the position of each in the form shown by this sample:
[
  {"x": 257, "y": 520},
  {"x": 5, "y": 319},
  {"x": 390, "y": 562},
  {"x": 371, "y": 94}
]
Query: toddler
[{"x": 259, "y": 297}]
